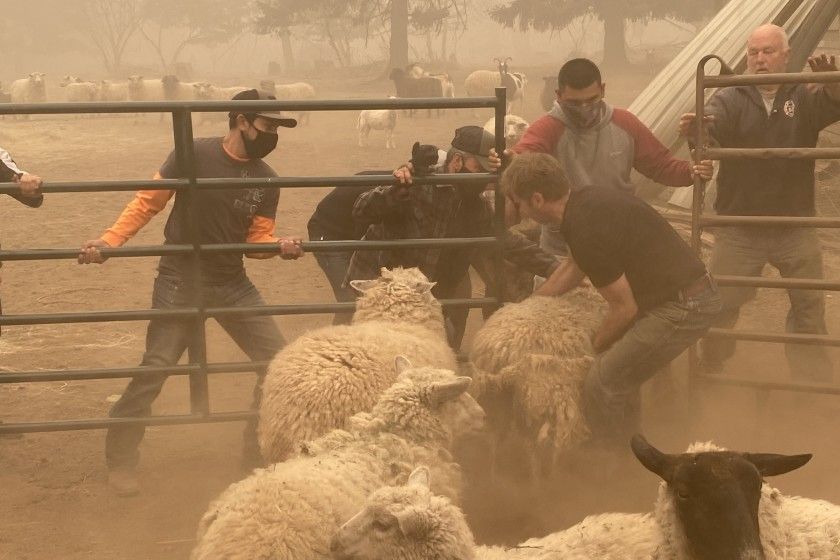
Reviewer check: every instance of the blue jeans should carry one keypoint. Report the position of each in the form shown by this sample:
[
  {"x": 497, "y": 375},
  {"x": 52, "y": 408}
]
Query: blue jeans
[
  {"x": 335, "y": 265},
  {"x": 166, "y": 340},
  {"x": 612, "y": 386}
]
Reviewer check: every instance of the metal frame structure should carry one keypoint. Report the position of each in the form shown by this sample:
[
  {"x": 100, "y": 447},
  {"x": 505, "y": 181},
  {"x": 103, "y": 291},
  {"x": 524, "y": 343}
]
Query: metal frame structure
[
  {"x": 198, "y": 367},
  {"x": 699, "y": 220}
]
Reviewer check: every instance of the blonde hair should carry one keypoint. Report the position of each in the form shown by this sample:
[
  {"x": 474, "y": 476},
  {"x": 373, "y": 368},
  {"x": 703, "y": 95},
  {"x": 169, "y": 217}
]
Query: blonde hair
[{"x": 535, "y": 173}]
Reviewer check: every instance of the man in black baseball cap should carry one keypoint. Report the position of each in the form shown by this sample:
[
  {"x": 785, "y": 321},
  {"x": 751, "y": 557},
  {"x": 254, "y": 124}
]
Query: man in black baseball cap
[
  {"x": 258, "y": 129},
  {"x": 234, "y": 215},
  {"x": 408, "y": 211}
]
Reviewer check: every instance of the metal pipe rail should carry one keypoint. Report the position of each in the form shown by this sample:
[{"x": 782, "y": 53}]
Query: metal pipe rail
[
  {"x": 248, "y": 106},
  {"x": 189, "y": 186},
  {"x": 193, "y": 312},
  {"x": 98, "y": 424},
  {"x": 218, "y": 248},
  {"x": 274, "y": 182},
  {"x": 769, "y": 221},
  {"x": 698, "y": 220}
]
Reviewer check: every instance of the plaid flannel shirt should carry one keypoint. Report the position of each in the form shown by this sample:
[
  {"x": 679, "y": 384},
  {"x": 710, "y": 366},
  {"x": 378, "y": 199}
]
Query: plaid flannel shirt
[{"x": 427, "y": 213}]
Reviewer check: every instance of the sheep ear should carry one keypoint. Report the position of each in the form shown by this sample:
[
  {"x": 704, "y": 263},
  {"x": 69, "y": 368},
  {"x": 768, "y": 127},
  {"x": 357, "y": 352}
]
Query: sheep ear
[
  {"x": 652, "y": 459},
  {"x": 419, "y": 477},
  {"x": 443, "y": 392},
  {"x": 425, "y": 287},
  {"x": 362, "y": 286},
  {"x": 771, "y": 464},
  {"x": 401, "y": 363}
]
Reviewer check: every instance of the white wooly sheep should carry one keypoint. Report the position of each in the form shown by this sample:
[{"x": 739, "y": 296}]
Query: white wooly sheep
[
  {"x": 529, "y": 362},
  {"x": 515, "y": 128},
  {"x": 482, "y": 83},
  {"x": 31, "y": 89},
  {"x": 78, "y": 90},
  {"x": 377, "y": 119},
  {"x": 714, "y": 504},
  {"x": 557, "y": 326},
  {"x": 140, "y": 89},
  {"x": 293, "y": 91},
  {"x": 176, "y": 90},
  {"x": 412, "y": 523},
  {"x": 209, "y": 92},
  {"x": 317, "y": 382},
  {"x": 290, "y": 510},
  {"x": 113, "y": 91},
  {"x": 206, "y": 91}
]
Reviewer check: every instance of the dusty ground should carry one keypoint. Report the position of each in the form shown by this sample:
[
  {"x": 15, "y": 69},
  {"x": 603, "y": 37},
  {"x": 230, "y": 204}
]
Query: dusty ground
[{"x": 53, "y": 497}]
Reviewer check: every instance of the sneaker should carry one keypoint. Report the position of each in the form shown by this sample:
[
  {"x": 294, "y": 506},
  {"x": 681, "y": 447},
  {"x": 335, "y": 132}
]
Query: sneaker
[{"x": 123, "y": 481}]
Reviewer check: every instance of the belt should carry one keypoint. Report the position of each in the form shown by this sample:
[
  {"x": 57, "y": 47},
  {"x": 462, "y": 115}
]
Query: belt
[{"x": 697, "y": 287}]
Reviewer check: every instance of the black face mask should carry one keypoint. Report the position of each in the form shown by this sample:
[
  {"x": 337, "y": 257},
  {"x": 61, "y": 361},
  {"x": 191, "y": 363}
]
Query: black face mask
[{"x": 260, "y": 146}]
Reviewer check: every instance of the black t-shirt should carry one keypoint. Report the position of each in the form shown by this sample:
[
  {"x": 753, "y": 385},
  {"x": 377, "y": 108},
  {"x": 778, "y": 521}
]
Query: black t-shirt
[
  {"x": 225, "y": 215},
  {"x": 611, "y": 233},
  {"x": 333, "y": 217}
]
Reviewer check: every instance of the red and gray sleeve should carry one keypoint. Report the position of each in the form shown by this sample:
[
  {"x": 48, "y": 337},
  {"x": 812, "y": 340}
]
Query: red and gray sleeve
[
  {"x": 541, "y": 136},
  {"x": 652, "y": 159}
]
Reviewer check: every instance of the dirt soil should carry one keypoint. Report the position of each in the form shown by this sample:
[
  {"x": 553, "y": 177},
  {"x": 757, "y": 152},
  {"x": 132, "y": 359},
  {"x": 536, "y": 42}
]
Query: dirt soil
[{"x": 54, "y": 501}]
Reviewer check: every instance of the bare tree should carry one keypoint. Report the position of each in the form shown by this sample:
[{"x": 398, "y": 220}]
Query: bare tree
[
  {"x": 170, "y": 27},
  {"x": 109, "y": 25}
]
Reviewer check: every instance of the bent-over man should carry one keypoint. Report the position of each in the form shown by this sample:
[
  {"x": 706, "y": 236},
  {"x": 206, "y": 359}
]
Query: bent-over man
[{"x": 659, "y": 295}]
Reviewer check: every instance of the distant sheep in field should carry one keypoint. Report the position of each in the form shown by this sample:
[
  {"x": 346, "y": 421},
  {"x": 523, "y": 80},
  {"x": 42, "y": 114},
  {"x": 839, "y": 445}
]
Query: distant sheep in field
[
  {"x": 78, "y": 90},
  {"x": 294, "y": 91},
  {"x": 483, "y": 83},
  {"x": 31, "y": 89},
  {"x": 515, "y": 128},
  {"x": 113, "y": 91},
  {"x": 415, "y": 71},
  {"x": 140, "y": 89},
  {"x": 176, "y": 90},
  {"x": 409, "y": 87},
  {"x": 712, "y": 504},
  {"x": 318, "y": 381},
  {"x": 206, "y": 91},
  {"x": 377, "y": 119}
]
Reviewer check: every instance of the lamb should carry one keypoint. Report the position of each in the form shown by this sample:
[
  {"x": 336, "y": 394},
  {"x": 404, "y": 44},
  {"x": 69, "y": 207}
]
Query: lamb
[
  {"x": 78, "y": 90},
  {"x": 515, "y": 128},
  {"x": 408, "y": 86},
  {"x": 290, "y": 510},
  {"x": 318, "y": 381},
  {"x": 712, "y": 504},
  {"x": 377, "y": 119}
]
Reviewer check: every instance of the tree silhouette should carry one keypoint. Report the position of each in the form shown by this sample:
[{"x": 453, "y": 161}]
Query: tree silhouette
[{"x": 544, "y": 15}]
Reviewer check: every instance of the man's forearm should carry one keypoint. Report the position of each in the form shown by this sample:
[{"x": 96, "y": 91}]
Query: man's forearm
[
  {"x": 615, "y": 324},
  {"x": 564, "y": 278}
]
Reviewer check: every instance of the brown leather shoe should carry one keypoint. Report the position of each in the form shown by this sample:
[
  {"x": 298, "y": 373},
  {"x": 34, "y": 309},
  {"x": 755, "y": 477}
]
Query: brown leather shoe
[{"x": 123, "y": 481}]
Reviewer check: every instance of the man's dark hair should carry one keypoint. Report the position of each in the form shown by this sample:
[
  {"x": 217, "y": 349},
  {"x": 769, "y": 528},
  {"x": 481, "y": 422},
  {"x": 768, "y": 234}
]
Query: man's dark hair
[
  {"x": 535, "y": 172},
  {"x": 578, "y": 73}
]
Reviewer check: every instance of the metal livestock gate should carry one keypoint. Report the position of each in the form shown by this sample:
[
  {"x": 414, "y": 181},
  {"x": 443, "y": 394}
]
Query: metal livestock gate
[
  {"x": 698, "y": 221},
  {"x": 198, "y": 367}
]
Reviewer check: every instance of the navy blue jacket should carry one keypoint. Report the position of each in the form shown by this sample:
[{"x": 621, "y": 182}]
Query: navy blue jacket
[{"x": 775, "y": 187}]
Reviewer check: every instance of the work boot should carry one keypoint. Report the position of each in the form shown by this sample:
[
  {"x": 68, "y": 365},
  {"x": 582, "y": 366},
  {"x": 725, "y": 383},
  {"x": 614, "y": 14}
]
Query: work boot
[{"x": 123, "y": 481}]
